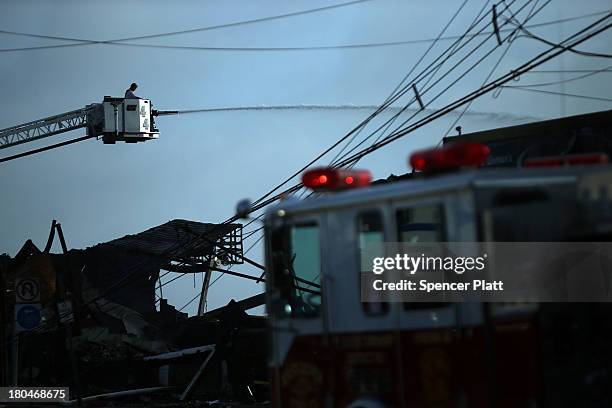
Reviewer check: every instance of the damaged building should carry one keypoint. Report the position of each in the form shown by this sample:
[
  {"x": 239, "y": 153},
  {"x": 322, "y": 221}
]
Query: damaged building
[{"x": 90, "y": 319}]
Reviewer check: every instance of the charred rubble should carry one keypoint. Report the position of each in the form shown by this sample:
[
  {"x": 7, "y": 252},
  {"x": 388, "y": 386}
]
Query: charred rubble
[{"x": 101, "y": 330}]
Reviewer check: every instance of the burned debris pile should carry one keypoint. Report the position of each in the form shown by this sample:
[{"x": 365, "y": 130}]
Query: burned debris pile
[{"x": 89, "y": 319}]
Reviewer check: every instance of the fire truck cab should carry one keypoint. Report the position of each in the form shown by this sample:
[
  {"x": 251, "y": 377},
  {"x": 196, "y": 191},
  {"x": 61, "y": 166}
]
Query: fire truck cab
[{"x": 328, "y": 348}]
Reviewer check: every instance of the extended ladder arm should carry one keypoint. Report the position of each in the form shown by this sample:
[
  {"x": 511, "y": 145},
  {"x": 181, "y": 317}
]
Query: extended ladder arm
[
  {"x": 114, "y": 120},
  {"x": 90, "y": 117}
]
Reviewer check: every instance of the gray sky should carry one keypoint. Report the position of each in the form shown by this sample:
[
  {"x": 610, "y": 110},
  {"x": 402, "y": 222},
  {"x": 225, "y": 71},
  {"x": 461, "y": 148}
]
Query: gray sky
[{"x": 203, "y": 163}]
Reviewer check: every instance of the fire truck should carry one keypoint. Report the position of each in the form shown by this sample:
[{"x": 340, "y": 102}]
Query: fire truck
[
  {"x": 114, "y": 120},
  {"x": 330, "y": 349}
]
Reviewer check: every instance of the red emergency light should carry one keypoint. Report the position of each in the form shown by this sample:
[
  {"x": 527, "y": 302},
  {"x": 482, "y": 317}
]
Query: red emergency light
[
  {"x": 451, "y": 157},
  {"x": 570, "y": 160},
  {"x": 331, "y": 179}
]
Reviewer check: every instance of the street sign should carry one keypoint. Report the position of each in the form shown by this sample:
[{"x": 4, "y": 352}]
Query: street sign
[
  {"x": 27, "y": 290},
  {"x": 27, "y": 316}
]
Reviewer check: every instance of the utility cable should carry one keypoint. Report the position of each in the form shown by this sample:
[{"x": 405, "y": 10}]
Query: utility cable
[
  {"x": 44, "y": 149},
  {"x": 193, "y": 30},
  {"x": 563, "y": 81},
  {"x": 534, "y": 62},
  {"x": 468, "y": 105},
  {"x": 592, "y": 98},
  {"x": 241, "y": 23},
  {"x": 566, "y": 71},
  {"x": 81, "y": 42},
  {"x": 529, "y": 34},
  {"x": 452, "y": 19},
  {"x": 394, "y": 118},
  {"x": 500, "y": 81},
  {"x": 260, "y": 204},
  {"x": 390, "y": 121},
  {"x": 345, "y": 137},
  {"x": 423, "y": 92}
]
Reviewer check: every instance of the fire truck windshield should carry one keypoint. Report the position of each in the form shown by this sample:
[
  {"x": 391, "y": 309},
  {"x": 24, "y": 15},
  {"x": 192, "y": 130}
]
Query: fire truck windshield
[{"x": 297, "y": 270}]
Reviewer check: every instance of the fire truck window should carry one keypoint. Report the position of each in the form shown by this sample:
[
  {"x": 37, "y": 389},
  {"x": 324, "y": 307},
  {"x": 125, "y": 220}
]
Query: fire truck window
[
  {"x": 306, "y": 264},
  {"x": 370, "y": 230},
  {"x": 419, "y": 224}
]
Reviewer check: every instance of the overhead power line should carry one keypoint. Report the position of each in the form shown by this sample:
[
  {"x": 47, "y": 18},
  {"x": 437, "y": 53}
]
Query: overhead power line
[
  {"x": 529, "y": 34},
  {"x": 295, "y": 188},
  {"x": 192, "y": 30},
  {"x": 44, "y": 149},
  {"x": 484, "y": 82},
  {"x": 563, "y": 81},
  {"x": 43, "y": 47},
  {"x": 244, "y": 22},
  {"x": 530, "y": 15},
  {"x": 566, "y": 71},
  {"x": 453, "y": 48},
  {"x": 500, "y": 81},
  {"x": 336, "y": 46},
  {"x": 47, "y": 37},
  {"x": 82, "y": 42},
  {"x": 593, "y": 98},
  {"x": 427, "y": 89},
  {"x": 414, "y": 67}
]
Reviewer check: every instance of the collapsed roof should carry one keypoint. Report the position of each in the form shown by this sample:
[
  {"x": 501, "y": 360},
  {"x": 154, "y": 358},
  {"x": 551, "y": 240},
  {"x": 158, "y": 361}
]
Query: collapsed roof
[{"x": 183, "y": 240}]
